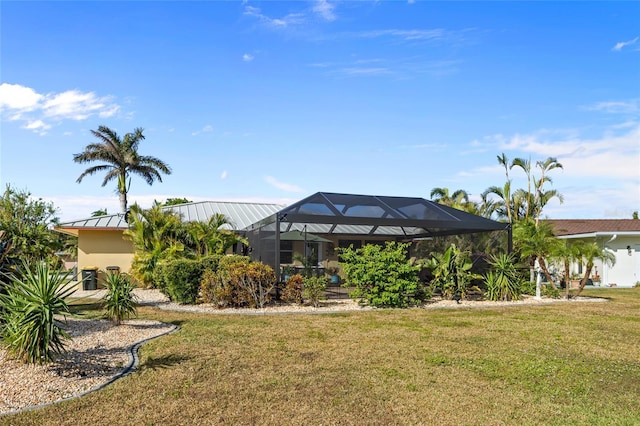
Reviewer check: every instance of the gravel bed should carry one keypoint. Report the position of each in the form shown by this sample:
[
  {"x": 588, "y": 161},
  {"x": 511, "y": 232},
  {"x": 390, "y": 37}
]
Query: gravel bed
[{"x": 98, "y": 351}]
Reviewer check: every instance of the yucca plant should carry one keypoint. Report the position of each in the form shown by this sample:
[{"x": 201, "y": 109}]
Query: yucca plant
[
  {"x": 503, "y": 280},
  {"x": 35, "y": 299},
  {"x": 119, "y": 301}
]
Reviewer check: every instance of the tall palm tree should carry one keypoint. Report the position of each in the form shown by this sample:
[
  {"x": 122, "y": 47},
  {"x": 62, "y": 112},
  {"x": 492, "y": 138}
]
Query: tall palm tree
[
  {"x": 120, "y": 159},
  {"x": 458, "y": 200}
]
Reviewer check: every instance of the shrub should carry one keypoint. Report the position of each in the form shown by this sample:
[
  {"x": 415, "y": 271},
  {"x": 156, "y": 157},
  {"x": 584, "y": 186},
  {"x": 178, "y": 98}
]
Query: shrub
[
  {"x": 181, "y": 280},
  {"x": 383, "y": 276},
  {"x": 313, "y": 289},
  {"x": 240, "y": 282},
  {"x": 451, "y": 272},
  {"x": 503, "y": 280},
  {"x": 292, "y": 292},
  {"x": 34, "y": 297},
  {"x": 119, "y": 301}
]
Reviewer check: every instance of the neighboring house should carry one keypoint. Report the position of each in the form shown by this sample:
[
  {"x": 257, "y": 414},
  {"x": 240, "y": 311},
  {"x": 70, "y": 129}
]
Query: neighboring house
[
  {"x": 102, "y": 245},
  {"x": 619, "y": 236}
]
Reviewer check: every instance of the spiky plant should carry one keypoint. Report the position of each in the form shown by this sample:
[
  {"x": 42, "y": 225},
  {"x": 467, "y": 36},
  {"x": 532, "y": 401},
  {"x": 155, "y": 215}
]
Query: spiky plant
[
  {"x": 35, "y": 299},
  {"x": 503, "y": 280},
  {"x": 119, "y": 301}
]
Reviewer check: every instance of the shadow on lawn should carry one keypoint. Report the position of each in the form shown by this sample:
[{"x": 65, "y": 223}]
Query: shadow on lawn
[{"x": 163, "y": 362}]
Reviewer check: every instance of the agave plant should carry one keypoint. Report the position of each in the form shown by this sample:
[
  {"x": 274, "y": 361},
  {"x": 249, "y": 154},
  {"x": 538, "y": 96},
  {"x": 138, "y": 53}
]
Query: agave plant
[
  {"x": 119, "y": 301},
  {"x": 35, "y": 299}
]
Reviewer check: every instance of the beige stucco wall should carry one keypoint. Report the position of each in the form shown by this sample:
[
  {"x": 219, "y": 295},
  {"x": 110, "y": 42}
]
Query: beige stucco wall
[{"x": 104, "y": 248}]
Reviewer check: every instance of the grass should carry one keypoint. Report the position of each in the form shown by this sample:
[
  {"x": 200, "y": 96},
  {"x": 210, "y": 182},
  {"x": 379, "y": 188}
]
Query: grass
[{"x": 563, "y": 364}]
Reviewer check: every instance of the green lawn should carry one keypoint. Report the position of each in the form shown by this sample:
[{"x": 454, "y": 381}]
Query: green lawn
[{"x": 562, "y": 364}]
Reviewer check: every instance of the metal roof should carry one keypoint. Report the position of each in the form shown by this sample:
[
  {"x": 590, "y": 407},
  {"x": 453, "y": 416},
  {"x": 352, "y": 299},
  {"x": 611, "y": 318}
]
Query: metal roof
[{"x": 241, "y": 215}]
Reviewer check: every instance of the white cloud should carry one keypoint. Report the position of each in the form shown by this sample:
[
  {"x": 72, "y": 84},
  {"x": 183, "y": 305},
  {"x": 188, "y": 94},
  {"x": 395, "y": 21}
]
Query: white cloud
[
  {"x": 435, "y": 34},
  {"x": 17, "y": 97},
  {"x": 206, "y": 129},
  {"x": 224, "y": 175},
  {"x": 21, "y": 103},
  {"x": 622, "y": 44},
  {"x": 247, "y": 57},
  {"x": 616, "y": 107},
  {"x": 282, "y": 185},
  {"x": 325, "y": 10},
  {"x": 284, "y": 22}
]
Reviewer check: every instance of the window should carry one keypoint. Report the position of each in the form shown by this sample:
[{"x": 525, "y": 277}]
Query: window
[{"x": 286, "y": 251}]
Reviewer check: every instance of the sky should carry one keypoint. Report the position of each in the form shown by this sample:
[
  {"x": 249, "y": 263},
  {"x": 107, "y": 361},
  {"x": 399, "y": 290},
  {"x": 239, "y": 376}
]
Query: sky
[{"x": 273, "y": 101}]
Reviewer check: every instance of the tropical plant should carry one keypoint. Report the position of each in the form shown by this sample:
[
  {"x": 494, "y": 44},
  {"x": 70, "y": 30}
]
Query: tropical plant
[
  {"x": 459, "y": 199},
  {"x": 119, "y": 301},
  {"x": 99, "y": 212},
  {"x": 313, "y": 289},
  {"x": 536, "y": 242},
  {"x": 451, "y": 272},
  {"x": 503, "y": 281},
  {"x": 25, "y": 232},
  {"x": 589, "y": 252},
  {"x": 292, "y": 291},
  {"x": 35, "y": 299},
  {"x": 157, "y": 235},
  {"x": 176, "y": 201},
  {"x": 211, "y": 237},
  {"x": 381, "y": 276},
  {"x": 120, "y": 159}
]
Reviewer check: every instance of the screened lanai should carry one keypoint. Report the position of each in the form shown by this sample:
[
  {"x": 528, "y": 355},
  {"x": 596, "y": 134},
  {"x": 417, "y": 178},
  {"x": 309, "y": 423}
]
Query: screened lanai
[{"x": 344, "y": 218}]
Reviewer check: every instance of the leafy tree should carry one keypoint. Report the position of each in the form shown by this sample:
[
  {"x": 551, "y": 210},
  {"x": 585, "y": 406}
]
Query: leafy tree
[
  {"x": 25, "y": 232},
  {"x": 175, "y": 201},
  {"x": 383, "y": 276},
  {"x": 120, "y": 158},
  {"x": 99, "y": 212}
]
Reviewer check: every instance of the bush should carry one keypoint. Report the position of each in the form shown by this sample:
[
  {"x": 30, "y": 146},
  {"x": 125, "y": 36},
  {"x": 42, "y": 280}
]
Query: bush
[
  {"x": 451, "y": 272},
  {"x": 314, "y": 288},
  {"x": 292, "y": 292},
  {"x": 34, "y": 297},
  {"x": 119, "y": 301},
  {"x": 239, "y": 282},
  {"x": 181, "y": 280},
  {"x": 383, "y": 276},
  {"x": 503, "y": 280}
]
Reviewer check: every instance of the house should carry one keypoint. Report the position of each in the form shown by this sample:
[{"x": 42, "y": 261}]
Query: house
[
  {"x": 102, "y": 246},
  {"x": 621, "y": 237},
  {"x": 312, "y": 227}
]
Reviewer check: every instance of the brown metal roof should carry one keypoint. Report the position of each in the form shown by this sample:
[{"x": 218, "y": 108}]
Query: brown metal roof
[{"x": 591, "y": 226}]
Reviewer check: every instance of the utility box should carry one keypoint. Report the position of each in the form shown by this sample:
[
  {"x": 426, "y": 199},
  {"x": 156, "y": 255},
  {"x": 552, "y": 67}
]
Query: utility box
[
  {"x": 113, "y": 269},
  {"x": 90, "y": 279}
]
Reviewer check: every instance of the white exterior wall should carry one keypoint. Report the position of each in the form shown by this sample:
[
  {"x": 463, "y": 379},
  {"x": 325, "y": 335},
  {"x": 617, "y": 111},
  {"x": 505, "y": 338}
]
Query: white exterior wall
[{"x": 626, "y": 271}]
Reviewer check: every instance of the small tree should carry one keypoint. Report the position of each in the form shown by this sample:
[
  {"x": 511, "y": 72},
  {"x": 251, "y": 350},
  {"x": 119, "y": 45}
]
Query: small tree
[
  {"x": 383, "y": 276},
  {"x": 589, "y": 252}
]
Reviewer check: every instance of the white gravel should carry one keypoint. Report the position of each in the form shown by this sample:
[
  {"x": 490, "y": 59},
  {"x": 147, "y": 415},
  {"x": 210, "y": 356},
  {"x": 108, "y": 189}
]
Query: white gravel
[{"x": 100, "y": 350}]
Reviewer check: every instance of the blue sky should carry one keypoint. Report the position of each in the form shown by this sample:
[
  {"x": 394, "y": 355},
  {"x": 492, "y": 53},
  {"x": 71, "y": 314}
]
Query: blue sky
[{"x": 273, "y": 101}]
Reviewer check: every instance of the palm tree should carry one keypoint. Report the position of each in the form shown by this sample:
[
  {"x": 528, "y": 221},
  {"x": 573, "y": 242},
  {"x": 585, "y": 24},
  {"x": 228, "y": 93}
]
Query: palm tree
[
  {"x": 536, "y": 242},
  {"x": 156, "y": 235},
  {"x": 589, "y": 252},
  {"x": 120, "y": 159},
  {"x": 458, "y": 200},
  {"x": 210, "y": 238}
]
